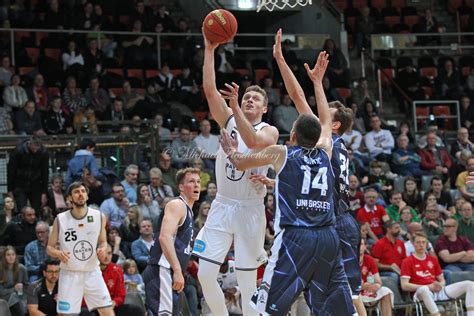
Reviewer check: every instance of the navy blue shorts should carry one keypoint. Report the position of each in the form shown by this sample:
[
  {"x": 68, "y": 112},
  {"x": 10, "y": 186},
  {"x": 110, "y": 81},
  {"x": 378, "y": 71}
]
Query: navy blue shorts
[
  {"x": 160, "y": 298},
  {"x": 306, "y": 260},
  {"x": 349, "y": 235}
]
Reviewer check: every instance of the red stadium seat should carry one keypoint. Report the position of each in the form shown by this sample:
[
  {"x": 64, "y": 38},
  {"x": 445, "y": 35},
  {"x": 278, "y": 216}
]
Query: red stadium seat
[
  {"x": 359, "y": 4},
  {"x": 117, "y": 92},
  {"x": 25, "y": 70},
  {"x": 53, "y": 53},
  {"x": 135, "y": 73},
  {"x": 379, "y": 4},
  {"x": 260, "y": 74},
  {"x": 117, "y": 71},
  {"x": 176, "y": 72},
  {"x": 454, "y": 5},
  {"x": 411, "y": 20},
  {"x": 391, "y": 21},
  {"x": 398, "y": 4},
  {"x": 466, "y": 71},
  {"x": 429, "y": 72},
  {"x": 422, "y": 113},
  {"x": 389, "y": 74},
  {"x": 344, "y": 92},
  {"x": 242, "y": 71},
  {"x": 443, "y": 110},
  {"x": 54, "y": 91},
  {"x": 20, "y": 35},
  {"x": 33, "y": 53},
  {"x": 151, "y": 73}
]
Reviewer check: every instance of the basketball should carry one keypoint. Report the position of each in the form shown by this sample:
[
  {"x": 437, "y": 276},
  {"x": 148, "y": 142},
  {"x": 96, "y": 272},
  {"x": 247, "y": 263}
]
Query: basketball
[{"x": 220, "y": 26}]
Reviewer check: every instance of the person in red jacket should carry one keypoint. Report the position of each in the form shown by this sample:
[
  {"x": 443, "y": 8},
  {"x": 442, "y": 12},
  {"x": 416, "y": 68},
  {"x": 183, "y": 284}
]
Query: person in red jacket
[
  {"x": 422, "y": 274},
  {"x": 435, "y": 159},
  {"x": 373, "y": 214}
]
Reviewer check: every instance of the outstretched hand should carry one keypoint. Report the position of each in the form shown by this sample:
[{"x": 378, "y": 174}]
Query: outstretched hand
[
  {"x": 207, "y": 43},
  {"x": 317, "y": 73},
  {"x": 232, "y": 94},
  {"x": 277, "y": 53},
  {"x": 229, "y": 144}
]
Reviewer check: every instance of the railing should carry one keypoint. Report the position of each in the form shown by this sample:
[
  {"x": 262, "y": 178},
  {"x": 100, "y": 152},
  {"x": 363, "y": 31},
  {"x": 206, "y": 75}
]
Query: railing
[{"x": 442, "y": 112}]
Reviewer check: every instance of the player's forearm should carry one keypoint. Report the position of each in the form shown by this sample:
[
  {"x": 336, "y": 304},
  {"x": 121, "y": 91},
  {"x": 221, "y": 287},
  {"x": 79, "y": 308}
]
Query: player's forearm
[
  {"x": 167, "y": 245},
  {"x": 246, "y": 130},
  {"x": 53, "y": 252},
  {"x": 322, "y": 103},
  {"x": 209, "y": 76}
]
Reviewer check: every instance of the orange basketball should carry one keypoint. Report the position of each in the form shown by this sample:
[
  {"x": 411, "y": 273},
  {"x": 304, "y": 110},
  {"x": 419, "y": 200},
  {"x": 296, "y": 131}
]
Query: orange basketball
[{"x": 220, "y": 26}]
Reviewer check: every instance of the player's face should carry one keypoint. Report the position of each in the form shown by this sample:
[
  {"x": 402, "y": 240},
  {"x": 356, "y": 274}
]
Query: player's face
[
  {"x": 253, "y": 104},
  {"x": 52, "y": 273},
  {"x": 79, "y": 196},
  {"x": 420, "y": 244},
  {"x": 191, "y": 186}
]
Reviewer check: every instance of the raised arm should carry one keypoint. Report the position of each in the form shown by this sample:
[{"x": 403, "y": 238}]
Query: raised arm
[
  {"x": 254, "y": 140},
  {"x": 217, "y": 104},
  {"x": 294, "y": 89},
  {"x": 316, "y": 75}
]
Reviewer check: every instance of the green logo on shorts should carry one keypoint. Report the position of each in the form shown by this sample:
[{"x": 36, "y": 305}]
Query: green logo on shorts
[{"x": 90, "y": 219}]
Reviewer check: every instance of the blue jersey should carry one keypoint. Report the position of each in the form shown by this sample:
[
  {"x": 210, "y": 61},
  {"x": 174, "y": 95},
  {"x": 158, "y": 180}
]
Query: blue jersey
[
  {"x": 304, "y": 190},
  {"x": 182, "y": 241},
  {"x": 340, "y": 165}
]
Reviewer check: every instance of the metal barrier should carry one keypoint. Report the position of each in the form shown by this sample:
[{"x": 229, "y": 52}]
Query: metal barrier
[{"x": 443, "y": 112}]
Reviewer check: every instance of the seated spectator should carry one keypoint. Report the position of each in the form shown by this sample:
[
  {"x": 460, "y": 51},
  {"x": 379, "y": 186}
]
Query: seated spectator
[
  {"x": 201, "y": 217},
  {"x": 379, "y": 141},
  {"x": 130, "y": 97},
  {"x": 373, "y": 214},
  {"x": 14, "y": 281},
  {"x": 358, "y": 120},
  {"x": 141, "y": 246},
  {"x": 406, "y": 161},
  {"x": 72, "y": 56},
  {"x": 168, "y": 172},
  {"x": 362, "y": 93},
  {"x": 28, "y": 120},
  {"x": 422, "y": 142},
  {"x": 93, "y": 57},
  {"x": 166, "y": 83},
  {"x": 183, "y": 148},
  {"x": 158, "y": 190},
  {"x": 6, "y": 123},
  {"x": 42, "y": 294},
  {"x": 85, "y": 121},
  {"x": 443, "y": 197},
  {"x": 356, "y": 196},
  {"x": 133, "y": 279},
  {"x": 456, "y": 253},
  {"x": 284, "y": 115},
  {"x": 198, "y": 163},
  {"x": 352, "y": 138},
  {"x": 19, "y": 234},
  {"x": 115, "y": 208},
  {"x": 115, "y": 114},
  {"x": 131, "y": 174},
  {"x": 7, "y": 215},
  {"x": 396, "y": 206},
  {"x": 151, "y": 103},
  {"x": 379, "y": 179},
  {"x": 432, "y": 222},
  {"x": 72, "y": 96},
  {"x": 38, "y": 93},
  {"x": 461, "y": 150},
  {"x": 56, "y": 195},
  {"x": 130, "y": 229},
  {"x": 410, "y": 194},
  {"x": 148, "y": 206},
  {"x": 448, "y": 82},
  {"x": 337, "y": 70},
  {"x": 364, "y": 28},
  {"x": 422, "y": 274},
  {"x": 466, "y": 191},
  {"x": 14, "y": 95},
  {"x": 435, "y": 159},
  {"x": 466, "y": 111},
  {"x": 389, "y": 251},
  {"x": 406, "y": 218},
  {"x": 56, "y": 121},
  {"x": 35, "y": 252},
  {"x": 120, "y": 250},
  {"x": 413, "y": 229},
  {"x": 466, "y": 223},
  {"x": 6, "y": 71},
  {"x": 372, "y": 289},
  {"x": 83, "y": 159},
  {"x": 208, "y": 144},
  {"x": 211, "y": 192},
  {"x": 97, "y": 97},
  {"x": 138, "y": 49}
]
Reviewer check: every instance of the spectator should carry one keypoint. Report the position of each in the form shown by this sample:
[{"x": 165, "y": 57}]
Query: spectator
[
  {"x": 84, "y": 20},
  {"x": 201, "y": 217},
  {"x": 410, "y": 194},
  {"x": 364, "y": 27},
  {"x": 133, "y": 279},
  {"x": 432, "y": 222},
  {"x": 208, "y": 144},
  {"x": 211, "y": 192},
  {"x": 14, "y": 96},
  {"x": 138, "y": 48},
  {"x": 389, "y": 251},
  {"x": 28, "y": 120},
  {"x": 114, "y": 278},
  {"x": 434, "y": 158},
  {"x": 55, "y": 17},
  {"x": 158, "y": 189},
  {"x": 337, "y": 71},
  {"x": 27, "y": 174},
  {"x": 448, "y": 82},
  {"x": 284, "y": 115},
  {"x": 14, "y": 278},
  {"x": 130, "y": 98},
  {"x": 166, "y": 83},
  {"x": 466, "y": 112},
  {"x": 72, "y": 96},
  {"x": 130, "y": 229},
  {"x": 461, "y": 150},
  {"x": 396, "y": 206},
  {"x": 373, "y": 214},
  {"x": 331, "y": 93},
  {"x": 35, "y": 251},
  {"x": 148, "y": 206},
  {"x": 141, "y": 246},
  {"x": 56, "y": 121},
  {"x": 379, "y": 179},
  {"x": 6, "y": 123},
  {"x": 97, "y": 97},
  {"x": 83, "y": 159},
  {"x": 42, "y": 293},
  {"x": 151, "y": 103},
  {"x": 56, "y": 195},
  {"x": 85, "y": 121},
  {"x": 356, "y": 197},
  {"x": 422, "y": 274},
  {"x": 115, "y": 208},
  {"x": 379, "y": 141},
  {"x": 456, "y": 253},
  {"x": 20, "y": 233},
  {"x": 428, "y": 24},
  {"x": 422, "y": 142},
  {"x": 406, "y": 161},
  {"x": 465, "y": 223},
  {"x": 120, "y": 250},
  {"x": 413, "y": 229},
  {"x": 466, "y": 191},
  {"x": 72, "y": 56},
  {"x": 168, "y": 172},
  {"x": 362, "y": 93},
  {"x": 372, "y": 290},
  {"x": 7, "y": 215},
  {"x": 38, "y": 93},
  {"x": 183, "y": 148},
  {"x": 443, "y": 197},
  {"x": 130, "y": 182},
  {"x": 406, "y": 218},
  {"x": 93, "y": 57},
  {"x": 352, "y": 138},
  {"x": 6, "y": 72},
  {"x": 205, "y": 177}
]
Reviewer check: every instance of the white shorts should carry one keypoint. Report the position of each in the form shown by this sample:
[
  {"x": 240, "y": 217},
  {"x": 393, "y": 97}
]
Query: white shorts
[
  {"x": 73, "y": 285},
  {"x": 242, "y": 222}
]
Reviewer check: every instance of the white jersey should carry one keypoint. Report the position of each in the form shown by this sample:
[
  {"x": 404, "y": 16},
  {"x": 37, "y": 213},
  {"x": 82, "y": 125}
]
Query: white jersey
[
  {"x": 80, "y": 237},
  {"x": 233, "y": 183}
]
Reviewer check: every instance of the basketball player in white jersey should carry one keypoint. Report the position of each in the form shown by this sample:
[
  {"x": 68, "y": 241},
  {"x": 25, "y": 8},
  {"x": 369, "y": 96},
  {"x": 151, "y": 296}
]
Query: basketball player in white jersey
[
  {"x": 80, "y": 233},
  {"x": 237, "y": 214}
]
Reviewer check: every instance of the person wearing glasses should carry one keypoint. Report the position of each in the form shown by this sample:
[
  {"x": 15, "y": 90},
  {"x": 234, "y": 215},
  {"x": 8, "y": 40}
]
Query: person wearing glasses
[
  {"x": 373, "y": 214},
  {"x": 41, "y": 294},
  {"x": 115, "y": 208},
  {"x": 35, "y": 252}
]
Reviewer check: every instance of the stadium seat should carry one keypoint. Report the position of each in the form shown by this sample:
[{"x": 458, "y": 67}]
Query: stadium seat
[
  {"x": 411, "y": 20},
  {"x": 135, "y": 73},
  {"x": 117, "y": 71},
  {"x": 454, "y": 5},
  {"x": 426, "y": 61},
  {"x": 53, "y": 53},
  {"x": 429, "y": 72},
  {"x": 386, "y": 75},
  {"x": 466, "y": 71},
  {"x": 443, "y": 110},
  {"x": 398, "y": 184},
  {"x": 426, "y": 183},
  {"x": 54, "y": 91},
  {"x": 260, "y": 74},
  {"x": 33, "y": 53},
  {"x": 398, "y": 4},
  {"x": 25, "y": 70},
  {"x": 117, "y": 92},
  {"x": 341, "y": 5},
  {"x": 404, "y": 61},
  {"x": 176, "y": 72},
  {"x": 151, "y": 73},
  {"x": 344, "y": 92},
  {"x": 470, "y": 3},
  {"x": 398, "y": 301},
  {"x": 134, "y": 298},
  {"x": 391, "y": 21},
  {"x": 39, "y": 37},
  {"x": 243, "y": 71},
  {"x": 359, "y": 4},
  {"x": 124, "y": 19},
  {"x": 378, "y": 4},
  {"x": 422, "y": 113}
]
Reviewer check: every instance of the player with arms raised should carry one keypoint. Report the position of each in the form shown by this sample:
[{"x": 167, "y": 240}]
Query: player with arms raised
[
  {"x": 79, "y": 232},
  {"x": 305, "y": 252},
  {"x": 237, "y": 214}
]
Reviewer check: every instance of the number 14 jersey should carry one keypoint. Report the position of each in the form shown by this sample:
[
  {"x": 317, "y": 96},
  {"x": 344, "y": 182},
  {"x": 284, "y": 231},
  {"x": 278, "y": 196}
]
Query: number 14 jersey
[
  {"x": 304, "y": 190},
  {"x": 79, "y": 237}
]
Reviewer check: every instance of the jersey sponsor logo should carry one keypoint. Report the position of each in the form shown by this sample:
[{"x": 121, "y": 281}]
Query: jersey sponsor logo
[
  {"x": 83, "y": 250},
  {"x": 90, "y": 219},
  {"x": 231, "y": 172},
  {"x": 199, "y": 246},
  {"x": 430, "y": 264},
  {"x": 64, "y": 306}
]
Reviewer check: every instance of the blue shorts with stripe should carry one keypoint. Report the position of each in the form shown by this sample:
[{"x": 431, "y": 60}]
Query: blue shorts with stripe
[
  {"x": 349, "y": 235},
  {"x": 306, "y": 260},
  {"x": 160, "y": 298}
]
